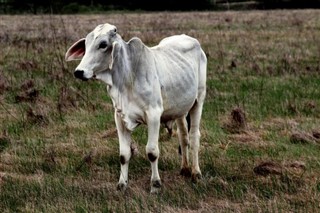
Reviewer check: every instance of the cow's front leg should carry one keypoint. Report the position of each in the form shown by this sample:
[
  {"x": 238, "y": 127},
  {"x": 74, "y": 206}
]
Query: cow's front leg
[
  {"x": 152, "y": 148},
  {"x": 125, "y": 151}
]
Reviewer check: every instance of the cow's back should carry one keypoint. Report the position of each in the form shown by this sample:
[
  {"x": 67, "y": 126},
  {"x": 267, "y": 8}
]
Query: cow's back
[{"x": 182, "y": 43}]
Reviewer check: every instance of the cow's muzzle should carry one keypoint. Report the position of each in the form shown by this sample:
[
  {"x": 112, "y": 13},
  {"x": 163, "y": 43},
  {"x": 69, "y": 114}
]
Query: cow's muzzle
[{"x": 80, "y": 74}]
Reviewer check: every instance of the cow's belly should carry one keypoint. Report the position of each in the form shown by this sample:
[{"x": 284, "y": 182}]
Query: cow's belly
[
  {"x": 177, "y": 111},
  {"x": 178, "y": 100}
]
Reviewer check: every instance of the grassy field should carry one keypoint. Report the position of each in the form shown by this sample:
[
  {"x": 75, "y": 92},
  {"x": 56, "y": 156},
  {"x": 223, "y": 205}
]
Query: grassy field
[{"x": 58, "y": 142}]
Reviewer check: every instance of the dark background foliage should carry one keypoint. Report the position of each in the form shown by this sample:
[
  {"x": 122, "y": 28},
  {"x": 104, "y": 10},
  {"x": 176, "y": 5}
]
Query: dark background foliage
[{"x": 91, "y": 6}]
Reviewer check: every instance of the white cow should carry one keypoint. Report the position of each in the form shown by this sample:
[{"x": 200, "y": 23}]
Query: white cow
[{"x": 147, "y": 86}]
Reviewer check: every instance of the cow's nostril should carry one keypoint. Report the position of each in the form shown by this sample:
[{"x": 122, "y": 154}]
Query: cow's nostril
[{"x": 80, "y": 74}]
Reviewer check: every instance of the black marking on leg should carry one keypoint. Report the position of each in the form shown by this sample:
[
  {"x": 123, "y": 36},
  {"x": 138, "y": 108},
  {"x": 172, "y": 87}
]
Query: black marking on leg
[
  {"x": 122, "y": 159},
  {"x": 152, "y": 157},
  {"x": 121, "y": 187},
  {"x": 156, "y": 184},
  {"x": 186, "y": 172}
]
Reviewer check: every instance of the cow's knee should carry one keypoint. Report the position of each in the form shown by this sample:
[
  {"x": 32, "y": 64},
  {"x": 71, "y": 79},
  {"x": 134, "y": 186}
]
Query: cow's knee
[
  {"x": 152, "y": 157},
  {"x": 123, "y": 159},
  {"x": 153, "y": 154}
]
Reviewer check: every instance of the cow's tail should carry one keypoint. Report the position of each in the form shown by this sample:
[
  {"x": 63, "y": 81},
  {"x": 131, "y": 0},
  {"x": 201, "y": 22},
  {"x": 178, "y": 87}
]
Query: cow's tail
[{"x": 188, "y": 121}]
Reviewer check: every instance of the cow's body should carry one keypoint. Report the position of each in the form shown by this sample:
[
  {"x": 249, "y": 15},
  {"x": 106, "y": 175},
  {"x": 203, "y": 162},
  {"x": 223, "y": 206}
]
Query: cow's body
[{"x": 149, "y": 85}]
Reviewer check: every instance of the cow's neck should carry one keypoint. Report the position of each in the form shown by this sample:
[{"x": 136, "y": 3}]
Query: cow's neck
[
  {"x": 122, "y": 75},
  {"x": 120, "y": 79}
]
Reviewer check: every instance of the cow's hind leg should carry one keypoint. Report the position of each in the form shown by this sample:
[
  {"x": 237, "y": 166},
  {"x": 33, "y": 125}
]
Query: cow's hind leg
[
  {"x": 169, "y": 127},
  {"x": 195, "y": 117},
  {"x": 184, "y": 145}
]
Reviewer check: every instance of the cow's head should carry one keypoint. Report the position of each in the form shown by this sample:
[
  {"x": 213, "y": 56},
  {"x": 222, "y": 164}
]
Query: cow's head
[{"x": 96, "y": 52}]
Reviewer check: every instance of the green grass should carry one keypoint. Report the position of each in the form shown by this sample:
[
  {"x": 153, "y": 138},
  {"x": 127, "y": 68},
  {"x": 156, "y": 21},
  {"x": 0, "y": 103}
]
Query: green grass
[{"x": 265, "y": 62}]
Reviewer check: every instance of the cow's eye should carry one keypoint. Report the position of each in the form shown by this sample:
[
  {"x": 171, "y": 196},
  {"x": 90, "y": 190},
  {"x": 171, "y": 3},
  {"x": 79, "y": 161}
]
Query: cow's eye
[{"x": 103, "y": 45}]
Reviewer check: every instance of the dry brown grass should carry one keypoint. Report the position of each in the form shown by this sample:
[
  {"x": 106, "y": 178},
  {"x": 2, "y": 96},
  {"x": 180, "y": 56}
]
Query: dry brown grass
[{"x": 62, "y": 149}]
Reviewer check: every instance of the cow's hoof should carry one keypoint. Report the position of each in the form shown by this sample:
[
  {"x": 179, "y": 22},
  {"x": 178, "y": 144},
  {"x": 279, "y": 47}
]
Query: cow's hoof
[
  {"x": 121, "y": 187},
  {"x": 186, "y": 172},
  {"x": 155, "y": 187},
  {"x": 196, "y": 177}
]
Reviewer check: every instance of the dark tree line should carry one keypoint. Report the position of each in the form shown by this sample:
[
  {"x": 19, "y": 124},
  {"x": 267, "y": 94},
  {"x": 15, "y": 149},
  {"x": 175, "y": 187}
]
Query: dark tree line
[
  {"x": 290, "y": 4},
  {"x": 83, "y": 6},
  {"x": 74, "y": 6}
]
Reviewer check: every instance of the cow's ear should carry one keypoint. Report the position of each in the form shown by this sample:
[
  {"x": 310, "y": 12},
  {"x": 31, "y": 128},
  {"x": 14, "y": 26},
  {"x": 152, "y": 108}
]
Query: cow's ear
[
  {"x": 76, "y": 51},
  {"x": 114, "y": 53}
]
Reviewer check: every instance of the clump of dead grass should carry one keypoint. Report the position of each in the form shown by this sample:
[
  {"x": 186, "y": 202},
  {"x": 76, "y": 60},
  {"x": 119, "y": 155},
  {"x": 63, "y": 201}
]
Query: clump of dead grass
[
  {"x": 49, "y": 160},
  {"x": 110, "y": 133},
  {"x": 4, "y": 143},
  {"x": 28, "y": 92},
  {"x": 67, "y": 100},
  {"x": 300, "y": 137},
  {"x": 36, "y": 117},
  {"x": 316, "y": 133},
  {"x": 266, "y": 168},
  {"x": 237, "y": 122},
  {"x": 250, "y": 138},
  {"x": 4, "y": 85},
  {"x": 87, "y": 159}
]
